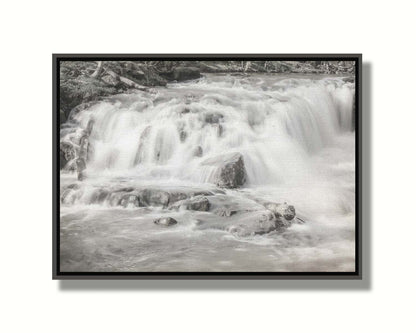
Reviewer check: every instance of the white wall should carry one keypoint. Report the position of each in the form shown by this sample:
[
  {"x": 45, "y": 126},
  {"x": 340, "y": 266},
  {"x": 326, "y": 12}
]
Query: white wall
[{"x": 32, "y": 30}]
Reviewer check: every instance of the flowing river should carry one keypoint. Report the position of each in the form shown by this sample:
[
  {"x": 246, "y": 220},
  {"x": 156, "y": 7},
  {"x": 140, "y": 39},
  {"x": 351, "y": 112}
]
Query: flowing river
[{"x": 296, "y": 136}]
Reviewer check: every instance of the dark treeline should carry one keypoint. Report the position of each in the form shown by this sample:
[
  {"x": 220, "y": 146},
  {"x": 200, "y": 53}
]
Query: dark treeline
[{"x": 84, "y": 81}]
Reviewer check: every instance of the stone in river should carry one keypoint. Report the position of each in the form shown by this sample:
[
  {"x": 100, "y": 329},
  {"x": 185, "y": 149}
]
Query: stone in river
[
  {"x": 231, "y": 172},
  {"x": 199, "y": 203},
  {"x": 165, "y": 221}
]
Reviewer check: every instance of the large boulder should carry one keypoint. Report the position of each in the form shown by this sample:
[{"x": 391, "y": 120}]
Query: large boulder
[
  {"x": 258, "y": 223},
  {"x": 242, "y": 224},
  {"x": 255, "y": 223},
  {"x": 231, "y": 172}
]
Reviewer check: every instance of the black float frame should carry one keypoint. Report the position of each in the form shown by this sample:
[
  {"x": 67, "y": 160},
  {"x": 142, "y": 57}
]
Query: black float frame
[{"x": 58, "y": 275}]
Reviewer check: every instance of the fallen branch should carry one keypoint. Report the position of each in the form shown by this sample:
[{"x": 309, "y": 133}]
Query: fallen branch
[
  {"x": 126, "y": 81},
  {"x": 98, "y": 71}
]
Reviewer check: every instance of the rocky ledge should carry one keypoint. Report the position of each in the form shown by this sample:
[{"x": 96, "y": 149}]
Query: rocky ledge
[{"x": 212, "y": 209}]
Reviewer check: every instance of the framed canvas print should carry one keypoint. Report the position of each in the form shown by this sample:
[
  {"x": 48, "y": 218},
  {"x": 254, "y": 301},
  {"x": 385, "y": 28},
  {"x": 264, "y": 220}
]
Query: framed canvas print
[{"x": 206, "y": 166}]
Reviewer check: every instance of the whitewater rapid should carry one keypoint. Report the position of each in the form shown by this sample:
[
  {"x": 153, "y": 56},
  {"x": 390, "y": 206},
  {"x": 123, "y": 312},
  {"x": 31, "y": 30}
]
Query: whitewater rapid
[{"x": 296, "y": 134}]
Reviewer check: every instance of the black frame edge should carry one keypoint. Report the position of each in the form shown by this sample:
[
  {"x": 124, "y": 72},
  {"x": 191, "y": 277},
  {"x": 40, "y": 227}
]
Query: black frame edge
[
  {"x": 57, "y": 275},
  {"x": 55, "y": 174}
]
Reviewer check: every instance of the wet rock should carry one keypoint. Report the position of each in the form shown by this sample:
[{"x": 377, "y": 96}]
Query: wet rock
[
  {"x": 165, "y": 221},
  {"x": 245, "y": 216},
  {"x": 267, "y": 223},
  {"x": 67, "y": 152},
  {"x": 84, "y": 148},
  {"x": 81, "y": 175},
  {"x": 176, "y": 196},
  {"x": 204, "y": 193},
  {"x": 186, "y": 73},
  {"x": 154, "y": 197},
  {"x": 68, "y": 196},
  {"x": 225, "y": 212},
  {"x": 231, "y": 171},
  {"x": 263, "y": 223},
  {"x": 71, "y": 193},
  {"x": 201, "y": 204},
  {"x": 244, "y": 224},
  {"x": 125, "y": 189},
  {"x": 81, "y": 166},
  {"x": 65, "y": 194},
  {"x": 142, "y": 143},
  {"x": 213, "y": 118},
  {"x": 280, "y": 211},
  {"x": 114, "y": 199},
  {"x": 198, "y": 151},
  {"x": 100, "y": 196},
  {"x": 183, "y": 135},
  {"x": 90, "y": 126},
  {"x": 130, "y": 200}
]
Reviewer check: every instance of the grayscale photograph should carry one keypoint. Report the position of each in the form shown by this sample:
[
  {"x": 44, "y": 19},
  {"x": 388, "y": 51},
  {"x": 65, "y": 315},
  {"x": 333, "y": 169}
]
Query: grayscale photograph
[{"x": 206, "y": 165}]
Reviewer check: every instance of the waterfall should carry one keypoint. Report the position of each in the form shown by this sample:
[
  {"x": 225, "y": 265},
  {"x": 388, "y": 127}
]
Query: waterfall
[{"x": 275, "y": 127}]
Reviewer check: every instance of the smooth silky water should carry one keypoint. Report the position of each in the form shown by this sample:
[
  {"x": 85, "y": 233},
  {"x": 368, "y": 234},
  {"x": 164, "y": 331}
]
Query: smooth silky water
[{"x": 297, "y": 139}]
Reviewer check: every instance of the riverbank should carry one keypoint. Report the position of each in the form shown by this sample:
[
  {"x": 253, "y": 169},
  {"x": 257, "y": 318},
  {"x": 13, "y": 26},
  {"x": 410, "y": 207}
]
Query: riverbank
[{"x": 88, "y": 81}]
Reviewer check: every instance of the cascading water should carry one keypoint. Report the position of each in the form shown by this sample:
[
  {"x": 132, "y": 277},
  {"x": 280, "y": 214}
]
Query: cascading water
[{"x": 295, "y": 135}]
